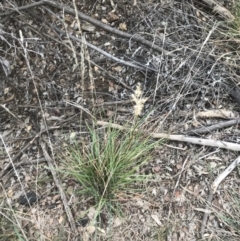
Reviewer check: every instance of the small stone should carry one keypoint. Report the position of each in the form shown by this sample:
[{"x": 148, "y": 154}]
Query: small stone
[
  {"x": 83, "y": 221},
  {"x": 28, "y": 199}
]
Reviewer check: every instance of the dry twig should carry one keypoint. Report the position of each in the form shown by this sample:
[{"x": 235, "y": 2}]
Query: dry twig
[
  {"x": 213, "y": 189},
  {"x": 193, "y": 140},
  {"x": 220, "y": 125},
  {"x": 60, "y": 189}
]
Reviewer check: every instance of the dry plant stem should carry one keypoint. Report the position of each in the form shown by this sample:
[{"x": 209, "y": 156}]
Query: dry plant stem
[
  {"x": 60, "y": 189},
  {"x": 193, "y": 140},
  {"x": 216, "y": 7},
  {"x": 204, "y": 130},
  {"x": 214, "y": 187},
  {"x": 119, "y": 102},
  {"x": 93, "y": 21}
]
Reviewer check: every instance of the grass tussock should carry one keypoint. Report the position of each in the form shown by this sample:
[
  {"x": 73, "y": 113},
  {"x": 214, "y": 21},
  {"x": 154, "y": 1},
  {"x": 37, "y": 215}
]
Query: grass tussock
[{"x": 108, "y": 166}]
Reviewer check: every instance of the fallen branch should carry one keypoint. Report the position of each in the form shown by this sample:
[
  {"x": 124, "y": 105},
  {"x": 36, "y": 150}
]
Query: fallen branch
[
  {"x": 91, "y": 20},
  {"x": 193, "y": 140},
  {"x": 213, "y": 189}
]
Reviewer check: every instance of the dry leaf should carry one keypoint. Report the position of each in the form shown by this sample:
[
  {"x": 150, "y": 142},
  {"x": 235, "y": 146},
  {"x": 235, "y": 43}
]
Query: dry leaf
[
  {"x": 123, "y": 26},
  {"x": 195, "y": 124},
  {"x": 90, "y": 229},
  {"x": 154, "y": 192},
  {"x": 101, "y": 230},
  {"x": 60, "y": 219},
  {"x": 6, "y": 90},
  {"x": 68, "y": 19},
  {"x": 112, "y": 17},
  {"x": 29, "y": 127},
  {"x": 99, "y": 101},
  {"x": 91, "y": 213},
  {"x": 27, "y": 178},
  {"x": 104, "y": 21},
  {"x": 110, "y": 113},
  {"x": 10, "y": 193},
  {"x": 213, "y": 164},
  {"x": 49, "y": 235},
  {"x": 107, "y": 44},
  {"x": 34, "y": 210},
  {"x": 203, "y": 210},
  {"x": 73, "y": 135},
  {"x": 139, "y": 203},
  {"x": 117, "y": 222},
  {"x": 156, "y": 169},
  {"x": 177, "y": 194},
  {"x": 88, "y": 27},
  {"x": 91, "y": 87},
  {"x": 179, "y": 166},
  {"x": 156, "y": 219},
  {"x": 117, "y": 68}
]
